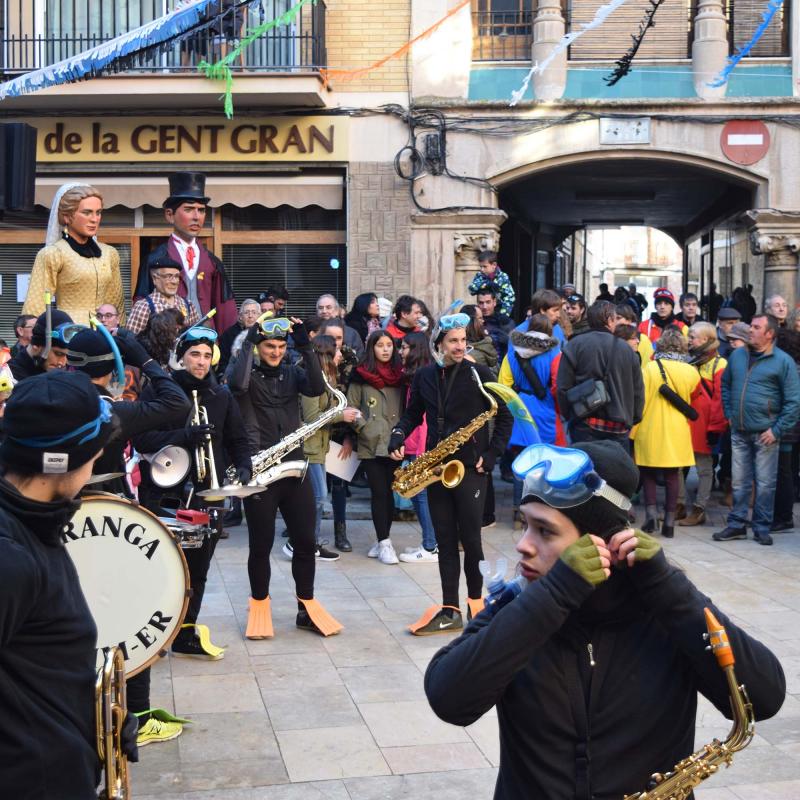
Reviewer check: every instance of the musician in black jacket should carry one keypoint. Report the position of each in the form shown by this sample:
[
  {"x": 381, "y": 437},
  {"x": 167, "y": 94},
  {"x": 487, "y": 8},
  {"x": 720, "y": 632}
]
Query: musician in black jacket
[
  {"x": 225, "y": 427},
  {"x": 55, "y": 426},
  {"x": 450, "y": 399},
  {"x": 268, "y": 391},
  {"x": 595, "y": 667}
]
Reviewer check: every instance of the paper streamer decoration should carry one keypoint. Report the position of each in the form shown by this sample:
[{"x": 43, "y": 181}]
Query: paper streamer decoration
[
  {"x": 624, "y": 64},
  {"x": 221, "y": 70},
  {"x": 170, "y": 28},
  {"x": 566, "y": 40},
  {"x": 766, "y": 17},
  {"x": 350, "y": 74}
]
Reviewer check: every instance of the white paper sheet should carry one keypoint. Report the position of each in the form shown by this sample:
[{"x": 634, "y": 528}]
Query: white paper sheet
[
  {"x": 23, "y": 280},
  {"x": 341, "y": 468}
]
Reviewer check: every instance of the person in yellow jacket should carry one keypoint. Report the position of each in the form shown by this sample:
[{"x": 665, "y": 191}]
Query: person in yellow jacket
[{"x": 662, "y": 442}]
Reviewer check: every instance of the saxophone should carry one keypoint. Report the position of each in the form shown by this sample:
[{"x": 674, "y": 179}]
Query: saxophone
[
  {"x": 268, "y": 465},
  {"x": 678, "y": 784},
  {"x": 428, "y": 468}
]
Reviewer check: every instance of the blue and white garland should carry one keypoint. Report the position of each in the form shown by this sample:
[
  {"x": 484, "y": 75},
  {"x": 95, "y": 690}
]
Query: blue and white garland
[
  {"x": 170, "y": 28},
  {"x": 766, "y": 17}
]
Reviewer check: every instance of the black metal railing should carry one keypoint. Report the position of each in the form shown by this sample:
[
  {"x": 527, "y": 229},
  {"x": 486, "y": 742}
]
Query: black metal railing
[{"x": 299, "y": 46}]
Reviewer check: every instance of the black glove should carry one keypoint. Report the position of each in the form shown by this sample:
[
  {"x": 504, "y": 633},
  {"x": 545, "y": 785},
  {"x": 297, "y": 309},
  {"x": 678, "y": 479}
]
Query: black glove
[
  {"x": 712, "y": 437},
  {"x": 300, "y": 335},
  {"x": 131, "y": 349},
  {"x": 130, "y": 731},
  {"x": 243, "y": 475},
  {"x": 253, "y": 334},
  {"x": 196, "y": 434},
  {"x": 396, "y": 440},
  {"x": 488, "y": 461}
]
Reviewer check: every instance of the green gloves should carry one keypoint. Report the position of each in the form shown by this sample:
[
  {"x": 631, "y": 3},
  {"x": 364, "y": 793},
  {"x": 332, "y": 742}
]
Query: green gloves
[
  {"x": 647, "y": 547},
  {"x": 583, "y": 557}
]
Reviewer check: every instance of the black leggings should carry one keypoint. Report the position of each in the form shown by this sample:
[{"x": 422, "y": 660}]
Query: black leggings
[
  {"x": 380, "y": 474},
  {"x": 295, "y": 500},
  {"x": 457, "y": 515}
]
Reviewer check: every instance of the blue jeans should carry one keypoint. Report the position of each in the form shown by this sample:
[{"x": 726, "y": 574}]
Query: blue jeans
[
  {"x": 420, "y": 503},
  {"x": 316, "y": 472},
  {"x": 753, "y": 461}
]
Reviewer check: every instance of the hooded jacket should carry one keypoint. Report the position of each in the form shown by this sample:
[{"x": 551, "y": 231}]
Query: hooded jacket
[
  {"x": 540, "y": 350},
  {"x": 47, "y": 657},
  {"x": 653, "y": 328},
  {"x": 595, "y": 689}
]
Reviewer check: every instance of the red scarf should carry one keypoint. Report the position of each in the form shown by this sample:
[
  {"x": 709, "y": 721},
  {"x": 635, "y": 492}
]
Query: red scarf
[{"x": 386, "y": 375}]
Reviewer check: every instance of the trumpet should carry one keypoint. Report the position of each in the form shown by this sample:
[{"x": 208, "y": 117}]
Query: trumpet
[
  {"x": 204, "y": 453},
  {"x": 110, "y": 710}
]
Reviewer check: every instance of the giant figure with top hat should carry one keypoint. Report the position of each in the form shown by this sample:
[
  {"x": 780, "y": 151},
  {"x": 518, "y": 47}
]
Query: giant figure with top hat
[{"x": 204, "y": 283}]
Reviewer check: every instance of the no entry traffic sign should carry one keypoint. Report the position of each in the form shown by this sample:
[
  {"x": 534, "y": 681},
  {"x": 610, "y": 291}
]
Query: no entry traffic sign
[{"x": 745, "y": 141}]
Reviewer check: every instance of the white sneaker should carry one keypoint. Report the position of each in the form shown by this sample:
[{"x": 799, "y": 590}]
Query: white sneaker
[
  {"x": 374, "y": 550},
  {"x": 386, "y": 554},
  {"x": 419, "y": 555},
  {"x": 288, "y": 550}
]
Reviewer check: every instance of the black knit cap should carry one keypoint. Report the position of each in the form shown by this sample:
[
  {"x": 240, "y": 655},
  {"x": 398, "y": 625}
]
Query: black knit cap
[
  {"x": 94, "y": 344},
  {"x": 40, "y": 327},
  {"x": 185, "y": 343},
  {"x": 598, "y": 515},
  {"x": 54, "y": 423}
]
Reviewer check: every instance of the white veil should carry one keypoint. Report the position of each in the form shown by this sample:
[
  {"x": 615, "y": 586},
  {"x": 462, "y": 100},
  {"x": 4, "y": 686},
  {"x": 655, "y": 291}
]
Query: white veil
[{"x": 53, "y": 225}]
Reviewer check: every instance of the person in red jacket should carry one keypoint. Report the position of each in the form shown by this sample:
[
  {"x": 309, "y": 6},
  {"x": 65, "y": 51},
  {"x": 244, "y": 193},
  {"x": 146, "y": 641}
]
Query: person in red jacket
[
  {"x": 662, "y": 317},
  {"x": 710, "y": 423}
]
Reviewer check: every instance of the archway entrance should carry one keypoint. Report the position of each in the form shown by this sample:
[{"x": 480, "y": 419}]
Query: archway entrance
[{"x": 552, "y": 208}]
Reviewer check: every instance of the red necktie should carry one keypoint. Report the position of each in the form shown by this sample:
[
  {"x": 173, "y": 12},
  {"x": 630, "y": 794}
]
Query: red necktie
[{"x": 190, "y": 258}]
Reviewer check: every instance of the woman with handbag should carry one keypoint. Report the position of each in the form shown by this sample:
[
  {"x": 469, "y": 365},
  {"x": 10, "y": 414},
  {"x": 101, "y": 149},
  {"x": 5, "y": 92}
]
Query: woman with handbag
[
  {"x": 662, "y": 442},
  {"x": 710, "y": 422}
]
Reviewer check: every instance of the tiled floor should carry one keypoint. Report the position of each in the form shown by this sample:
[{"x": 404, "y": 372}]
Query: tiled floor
[{"x": 345, "y": 718}]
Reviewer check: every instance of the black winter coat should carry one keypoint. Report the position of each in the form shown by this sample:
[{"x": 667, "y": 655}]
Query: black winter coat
[
  {"x": 600, "y": 355},
  {"x": 269, "y": 398},
  {"x": 570, "y": 730},
  {"x": 229, "y": 440},
  {"x": 47, "y": 657},
  {"x": 462, "y": 404},
  {"x": 23, "y": 366}
]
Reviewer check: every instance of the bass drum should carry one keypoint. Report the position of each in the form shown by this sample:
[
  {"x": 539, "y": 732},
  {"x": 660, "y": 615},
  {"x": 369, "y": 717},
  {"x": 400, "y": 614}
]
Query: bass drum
[{"x": 134, "y": 576}]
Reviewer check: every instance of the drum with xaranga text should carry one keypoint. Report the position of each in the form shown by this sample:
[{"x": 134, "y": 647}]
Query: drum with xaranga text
[{"x": 133, "y": 575}]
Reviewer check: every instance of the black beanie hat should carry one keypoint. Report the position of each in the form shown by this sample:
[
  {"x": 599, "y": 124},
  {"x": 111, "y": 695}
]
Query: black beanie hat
[
  {"x": 40, "y": 327},
  {"x": 54, "y": 423},
  {"x": 598, "y": 515},
  {"x": 93, "y": 344},
  {"x": 184, "y": 343}
]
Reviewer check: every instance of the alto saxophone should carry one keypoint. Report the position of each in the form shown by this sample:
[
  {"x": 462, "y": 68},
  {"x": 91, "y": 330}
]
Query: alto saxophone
[
  {"x": 268, "y": 464},
  {"x": 428, "y": 468},
  {"x": 678, "y": 784}
]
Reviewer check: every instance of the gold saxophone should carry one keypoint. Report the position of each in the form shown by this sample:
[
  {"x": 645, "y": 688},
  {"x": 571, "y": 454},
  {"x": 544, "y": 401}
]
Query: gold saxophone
[
  {"x": 110, "y": 709},
  {"x": 428, "y": 468},
  {"x": 678, "y": 784}
]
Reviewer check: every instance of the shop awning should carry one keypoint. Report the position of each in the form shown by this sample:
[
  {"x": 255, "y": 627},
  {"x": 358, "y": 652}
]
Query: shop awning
[{"x": 298, "y": 191}]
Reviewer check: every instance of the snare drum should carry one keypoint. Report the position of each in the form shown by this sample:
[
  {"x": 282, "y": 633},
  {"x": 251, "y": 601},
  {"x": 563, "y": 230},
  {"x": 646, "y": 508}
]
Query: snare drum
[
  {"x": 133, "y": 575},
  {"x": 188, "y": 535}
]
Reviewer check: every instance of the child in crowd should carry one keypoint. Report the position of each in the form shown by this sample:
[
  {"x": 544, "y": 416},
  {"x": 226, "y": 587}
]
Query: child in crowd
[{"x": 490, "y": 271}]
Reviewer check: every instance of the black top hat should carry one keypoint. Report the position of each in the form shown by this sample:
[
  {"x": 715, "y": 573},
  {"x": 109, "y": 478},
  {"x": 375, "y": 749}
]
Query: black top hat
[{"x": 187, "y": 186}]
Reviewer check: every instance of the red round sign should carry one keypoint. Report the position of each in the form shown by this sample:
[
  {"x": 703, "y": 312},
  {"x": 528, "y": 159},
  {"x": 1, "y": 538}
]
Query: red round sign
[{"x": 745, "y": 141}]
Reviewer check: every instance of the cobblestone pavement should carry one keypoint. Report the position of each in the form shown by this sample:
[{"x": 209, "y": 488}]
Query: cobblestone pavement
[{"x": 300, "y": 717}]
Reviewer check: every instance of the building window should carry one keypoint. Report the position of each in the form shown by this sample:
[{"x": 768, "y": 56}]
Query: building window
[{"x": 502, "y": 30}]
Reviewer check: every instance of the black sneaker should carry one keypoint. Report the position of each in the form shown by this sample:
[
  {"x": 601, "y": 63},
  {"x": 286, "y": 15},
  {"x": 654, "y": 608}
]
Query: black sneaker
[
  {"x": 763, "y": 538},
  {"x": 447, "y": 620},
  {"x": 729, "y": 534},
  {"x": 782, "y": 525},
  {"x": 326, "y": 555}
]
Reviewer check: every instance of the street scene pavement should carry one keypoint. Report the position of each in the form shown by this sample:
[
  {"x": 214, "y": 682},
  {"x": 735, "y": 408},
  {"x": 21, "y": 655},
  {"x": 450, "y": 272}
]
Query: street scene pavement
[{"x": 300, "y": 717}]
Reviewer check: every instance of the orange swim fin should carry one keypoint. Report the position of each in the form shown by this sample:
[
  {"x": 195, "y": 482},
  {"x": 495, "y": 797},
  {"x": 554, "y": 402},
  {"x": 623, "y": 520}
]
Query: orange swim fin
[
  {"x": 259, "y": 619},
  {"x": 323, "y": 622}
]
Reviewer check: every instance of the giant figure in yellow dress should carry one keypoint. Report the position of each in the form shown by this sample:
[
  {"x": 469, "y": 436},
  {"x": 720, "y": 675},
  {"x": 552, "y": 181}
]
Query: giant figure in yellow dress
[{"x": 80, "y": 272}]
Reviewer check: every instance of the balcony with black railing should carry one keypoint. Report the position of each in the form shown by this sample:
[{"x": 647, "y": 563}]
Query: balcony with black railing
[{"x": 34, "y": 35}]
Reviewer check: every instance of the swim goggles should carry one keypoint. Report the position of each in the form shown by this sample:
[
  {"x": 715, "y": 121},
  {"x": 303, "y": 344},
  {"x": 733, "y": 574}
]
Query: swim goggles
[
  {"x": 91, "y": 430},
  {"x": 451, "y": 322},
  {"x": 199, "y": 333},
  {"x": 66, "y": 333},
  {"x": 275, "y": 327},
  {"x": 562, "y": 477}
]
